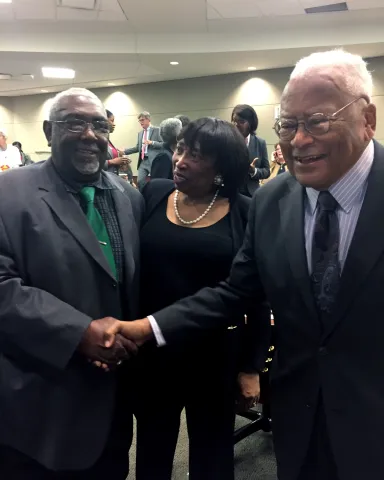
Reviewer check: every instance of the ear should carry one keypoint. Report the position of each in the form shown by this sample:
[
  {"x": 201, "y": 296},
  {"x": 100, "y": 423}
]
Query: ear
[
  {"x": 370, "y": 120},
  {"x": 47, "y": 127}
]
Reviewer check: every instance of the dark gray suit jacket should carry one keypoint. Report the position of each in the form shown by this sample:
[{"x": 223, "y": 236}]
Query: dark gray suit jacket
[
  {"x": 154, "y": 135},
  {"x": 344, "y": 360},
  {"x": 54, "y": 279},
  {"x": 257, "y": 148}
]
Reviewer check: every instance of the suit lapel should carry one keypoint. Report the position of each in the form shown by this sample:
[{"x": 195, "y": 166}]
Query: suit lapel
[
  {"x": 367, "y": 243},
  {"x": 72, "y": 217},
  {"x": 292, "y": 225}
]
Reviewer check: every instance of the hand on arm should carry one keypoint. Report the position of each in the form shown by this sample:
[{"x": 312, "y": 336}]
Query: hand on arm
[{"x": 252, "y": 167}]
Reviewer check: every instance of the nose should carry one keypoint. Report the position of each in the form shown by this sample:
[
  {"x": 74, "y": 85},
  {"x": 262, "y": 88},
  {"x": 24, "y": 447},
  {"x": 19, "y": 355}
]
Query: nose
[
  {"x": 88, "y": 133},
  {"x": 302, "y": 138},
  {"x": 178, "y": 160}
]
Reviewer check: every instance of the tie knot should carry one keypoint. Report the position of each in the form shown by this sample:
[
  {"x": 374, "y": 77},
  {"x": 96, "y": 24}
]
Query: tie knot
[
  {"x": 327, "y": 201},
  {"x": 87, "y": 194}
]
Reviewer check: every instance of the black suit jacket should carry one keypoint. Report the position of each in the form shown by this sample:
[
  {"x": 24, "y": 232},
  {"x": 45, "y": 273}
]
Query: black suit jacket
[
  {"x": 257, "y": 148},
  {"x": 54, "y": 279},
  {"x": 162, "y": 166},
  {"x": 345, "y": 361}
]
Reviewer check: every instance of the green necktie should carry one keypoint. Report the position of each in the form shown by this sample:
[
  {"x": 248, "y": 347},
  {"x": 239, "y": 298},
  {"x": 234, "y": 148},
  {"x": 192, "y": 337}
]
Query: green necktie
[{"x": 87, "y": 194}]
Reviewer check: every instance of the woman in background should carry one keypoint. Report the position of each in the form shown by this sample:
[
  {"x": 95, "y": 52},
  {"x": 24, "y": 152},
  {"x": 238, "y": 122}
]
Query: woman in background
[
  {"x": 162, "y": 166},
  {"x": 245, "y": 119},
  {"x": 278, "y": 164},
  {"x": 24, "y": 158},
  {"x": 194, "y": 227},
  {"x": 116, "y": 162}
]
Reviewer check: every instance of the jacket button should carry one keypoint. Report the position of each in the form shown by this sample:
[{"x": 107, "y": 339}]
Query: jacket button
[
  {"x": 308, "y": 405},
  {"x": 114, "y": 285},
  {"x": 323, "y": 351}
]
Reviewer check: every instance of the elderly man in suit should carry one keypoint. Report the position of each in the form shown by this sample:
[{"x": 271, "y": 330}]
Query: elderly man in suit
[
  {"x": 69, "y": 253},
  {"x": 314, "y": 248},
  {"x": 148, "y": 143}
]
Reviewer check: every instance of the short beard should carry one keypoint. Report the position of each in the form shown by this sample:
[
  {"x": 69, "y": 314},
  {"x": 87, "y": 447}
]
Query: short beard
[{"x": 87, "y": 168}]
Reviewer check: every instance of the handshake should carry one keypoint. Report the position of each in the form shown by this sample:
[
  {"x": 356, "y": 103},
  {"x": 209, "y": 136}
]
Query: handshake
[{"x": 107, "y": 341}]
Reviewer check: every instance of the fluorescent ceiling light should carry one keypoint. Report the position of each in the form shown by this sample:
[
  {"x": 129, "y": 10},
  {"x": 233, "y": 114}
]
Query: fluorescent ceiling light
[
  {"x": 5, "y": 1},
  {"x": 44, "y": 91},
  {"x": 51, "y": 72},
  {"x": 111, "y": 84},
  {"x": 252, "y": 68},
  {"x": 5, "y": 76},
  {"x": 174, "y": 63}
]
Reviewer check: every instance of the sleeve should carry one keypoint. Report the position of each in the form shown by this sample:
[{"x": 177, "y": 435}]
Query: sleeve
[
  {"x": 263, "y": 171},
  {"x": 35, "y": 326},
  {"x": 215, "y": 307},
  {"x": 160, "y": 166},
  {"x": 136, "y": 149}
]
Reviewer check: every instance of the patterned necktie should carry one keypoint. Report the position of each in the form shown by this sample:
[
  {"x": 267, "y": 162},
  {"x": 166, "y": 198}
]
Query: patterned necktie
[
  {"x": 325, "y": 254},
  {"x": 87, "y": 195},
  {"x": 143, "y": 145}
]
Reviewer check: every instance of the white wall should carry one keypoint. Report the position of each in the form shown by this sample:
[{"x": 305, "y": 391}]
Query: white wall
[{"x": 212, "y": 96}]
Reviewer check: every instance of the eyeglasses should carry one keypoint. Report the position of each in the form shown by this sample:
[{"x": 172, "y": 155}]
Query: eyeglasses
[
  {"x": 316, "y": 124},
  {"x": 77, "y": 125}
]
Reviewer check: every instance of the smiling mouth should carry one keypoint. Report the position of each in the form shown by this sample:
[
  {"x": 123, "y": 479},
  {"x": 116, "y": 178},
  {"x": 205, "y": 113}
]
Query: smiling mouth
[{"x": 308, "y": 159}]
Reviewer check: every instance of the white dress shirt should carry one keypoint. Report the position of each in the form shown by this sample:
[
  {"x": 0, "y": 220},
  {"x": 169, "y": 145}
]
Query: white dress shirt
[{"x": 10, "y": 158}]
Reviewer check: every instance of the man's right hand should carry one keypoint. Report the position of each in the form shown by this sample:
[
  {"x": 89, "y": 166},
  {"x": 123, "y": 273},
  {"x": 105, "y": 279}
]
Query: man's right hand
[
  {"x": 118, "y": 161},
  {"x": 92, "y": 345}
]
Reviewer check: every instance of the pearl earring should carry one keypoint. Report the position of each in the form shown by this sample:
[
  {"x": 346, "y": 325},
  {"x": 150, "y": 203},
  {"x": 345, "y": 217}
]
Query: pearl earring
[{"x": 219, "y": 180}]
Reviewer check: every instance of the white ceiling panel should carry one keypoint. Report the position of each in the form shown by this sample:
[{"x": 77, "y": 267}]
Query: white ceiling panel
[
  {"x": 109, "y": 16},
  {"x": 212, "y": 13},
  {"x": 41, "y": 10},
  {"x": 240, "y": 9},
  {"x": 6, "y": 13},
  {"x": 110, "y": 6},
  {"x": 277, "y": 8},
  {"x": 364, "y": 4},
  {"x": 76, "y": 14}
]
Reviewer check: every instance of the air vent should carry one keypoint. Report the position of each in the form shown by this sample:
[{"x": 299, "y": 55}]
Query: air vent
[
  {"x": 82, "y": 4},
  {"x": 336, "y": 7}
]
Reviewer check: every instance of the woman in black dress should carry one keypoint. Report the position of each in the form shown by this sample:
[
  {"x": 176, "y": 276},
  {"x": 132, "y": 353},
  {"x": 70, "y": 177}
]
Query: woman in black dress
[{"x": 194, "y": 227}]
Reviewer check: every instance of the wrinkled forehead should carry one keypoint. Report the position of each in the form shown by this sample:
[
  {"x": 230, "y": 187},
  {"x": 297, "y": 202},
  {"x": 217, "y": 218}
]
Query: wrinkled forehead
[
  {"x": 315, "y": 92},
  {"x": 82, "y": 106}
]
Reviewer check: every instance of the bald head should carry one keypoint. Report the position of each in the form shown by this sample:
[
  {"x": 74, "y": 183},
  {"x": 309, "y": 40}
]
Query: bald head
[{"x": 63, "y": 99}]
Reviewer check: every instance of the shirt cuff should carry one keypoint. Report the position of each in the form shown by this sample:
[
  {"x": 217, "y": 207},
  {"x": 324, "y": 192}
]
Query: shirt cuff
[
  {"x": 253, "y": 174},
  {"x": 160, "y": 340}
]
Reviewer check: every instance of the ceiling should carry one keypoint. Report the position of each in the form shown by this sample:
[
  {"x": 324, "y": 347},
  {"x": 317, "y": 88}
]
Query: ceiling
[{"x": 121, "y": 42}]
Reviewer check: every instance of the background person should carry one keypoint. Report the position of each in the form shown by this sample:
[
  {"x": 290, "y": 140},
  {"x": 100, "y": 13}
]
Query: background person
[
  {"x": 25, "y": 159},
  {"x": 245, "y": 119},
  {"x": 162, "y": 165},
  {"x": 277, "y": 165},
  {"x": 9, "y": 155}
]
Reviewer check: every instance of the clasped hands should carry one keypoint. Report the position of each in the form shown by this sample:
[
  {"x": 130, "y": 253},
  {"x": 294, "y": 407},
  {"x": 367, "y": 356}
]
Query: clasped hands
[{"x": 107, "y": 341}]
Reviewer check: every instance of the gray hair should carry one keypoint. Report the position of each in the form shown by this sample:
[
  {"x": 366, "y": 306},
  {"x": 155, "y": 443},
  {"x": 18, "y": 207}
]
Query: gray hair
[
  {"x": 75, "y": 92},
  {"x": 170, "y": 129},
  {"x": 3, "y": 132},
  {"x": 144, "y": 114},
  {"x": 351, "y": 68}
]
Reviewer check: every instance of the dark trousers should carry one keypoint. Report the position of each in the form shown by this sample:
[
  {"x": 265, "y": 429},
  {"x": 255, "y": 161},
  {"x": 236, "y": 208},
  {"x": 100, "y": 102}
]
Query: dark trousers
[
  {"x": 113, "y": 464},
  {"x": 319, "y": 463},
  {"x": 202, "y": 381}
]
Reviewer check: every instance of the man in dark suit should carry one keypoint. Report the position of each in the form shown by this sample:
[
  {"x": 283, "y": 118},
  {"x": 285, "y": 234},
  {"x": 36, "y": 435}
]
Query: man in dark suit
[
  {"x": 69, "y": 250},
  {"x": 246, "y": 120},
  {"x": 314, "y": 248},
  {"x": 148, "y": 143}
]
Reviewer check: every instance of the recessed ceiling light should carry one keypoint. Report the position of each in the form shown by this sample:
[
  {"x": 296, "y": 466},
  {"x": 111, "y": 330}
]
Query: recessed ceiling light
[
  {"x": 111, "y": 84},
  {"x": 174, "y": 63},
  {"x": 51, "y": 72},
  {"x": 252, "y": 68},
  {"x": 44, "y": 91}
]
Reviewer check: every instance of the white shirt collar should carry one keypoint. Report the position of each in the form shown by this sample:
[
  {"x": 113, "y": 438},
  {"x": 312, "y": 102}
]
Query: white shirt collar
[{"x": 348, "y": 189}]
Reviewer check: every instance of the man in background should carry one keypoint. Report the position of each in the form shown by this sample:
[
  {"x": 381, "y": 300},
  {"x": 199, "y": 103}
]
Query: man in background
[
  {"x": 69, "y": 250},
  {"x": 148, "y": 141},
  {"x": 9, "y": 155}
]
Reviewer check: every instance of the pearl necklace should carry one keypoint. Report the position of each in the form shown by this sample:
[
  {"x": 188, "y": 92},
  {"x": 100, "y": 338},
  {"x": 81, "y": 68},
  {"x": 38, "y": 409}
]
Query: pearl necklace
[{"x": 191, "y": 222}]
